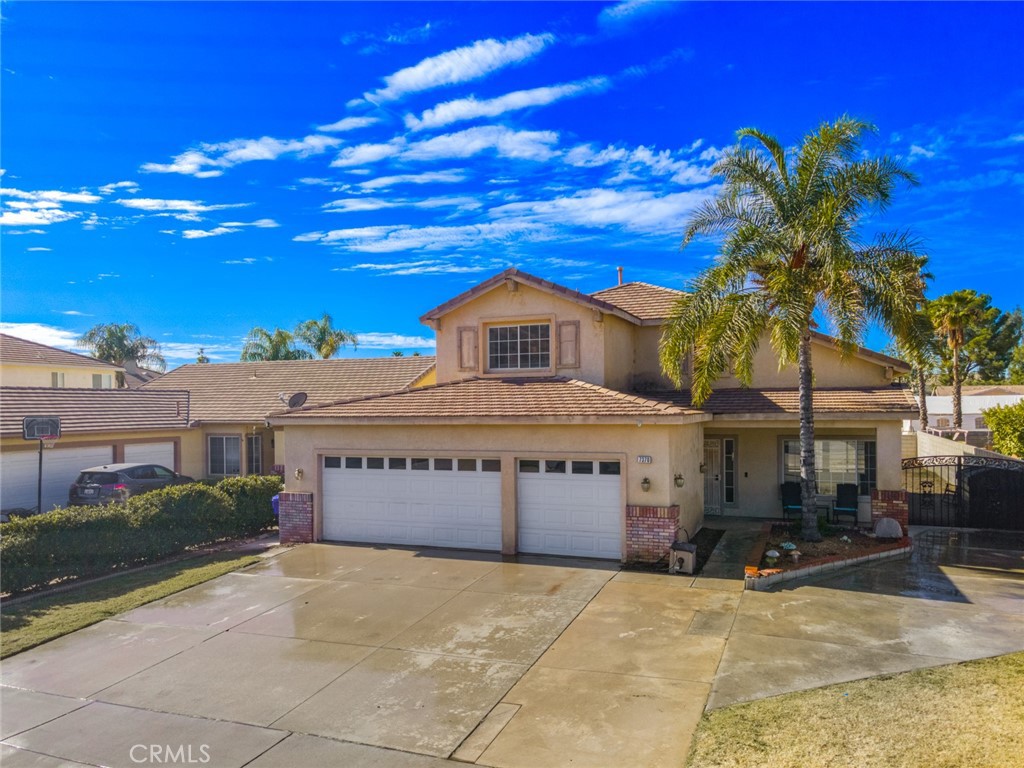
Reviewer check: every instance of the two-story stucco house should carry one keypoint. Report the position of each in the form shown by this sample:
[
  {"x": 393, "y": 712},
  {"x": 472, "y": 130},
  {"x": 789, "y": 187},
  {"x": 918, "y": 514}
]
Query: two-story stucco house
[{"x": 551, "y": 429}]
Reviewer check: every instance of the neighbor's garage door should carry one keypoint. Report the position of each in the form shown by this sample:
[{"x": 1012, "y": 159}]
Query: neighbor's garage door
[
  {"x": 570, "y": 507},
  {"x": 150, "y": 453},
  {"x": 415, "y": 499},
  {"x": 18, "y": 473}
]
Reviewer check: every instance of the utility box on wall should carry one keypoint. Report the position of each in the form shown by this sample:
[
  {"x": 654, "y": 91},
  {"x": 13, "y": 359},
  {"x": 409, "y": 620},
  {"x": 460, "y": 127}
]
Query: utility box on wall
[{"x": 682, "y": 557}]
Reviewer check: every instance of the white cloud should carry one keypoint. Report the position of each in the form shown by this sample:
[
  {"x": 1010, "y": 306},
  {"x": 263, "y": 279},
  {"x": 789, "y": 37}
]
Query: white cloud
[
  {"x": 71, "y": 313},
  {"x": 259, "y": 223},
  {"x": 245, "y": 261},
  {"x": 362, "y": 204},
  {"x": 394, "y": 238},
  {"x": 430, "y": 177},
  {"x": 194, "y": 234},
  {"x": 51, "y": 196},
  {"x": 367, "y": 153},
  {"x": 918, "y": 152},
  {"x": 348, "y": 124},
  {"x": 630, "y": 10},
  {"x": 470, "y": 108},
  {"x": 210, "y": 159},
  {"x": 421, "y": 267},
  {"x": 377, "y": 340},
  {"x": 35, "y": 217},
  {"x": 129, "y": 186},
  {"x": 38, "y": 248},
  {"x": 26, "y": 232},
  {"x": 177, "y": 352},
  {"x": 460, "y": 65},
  {"x": 29, "y": 209},
  {"x": 188, "y": 206},
  {"x": 515, "y": 145},
  {"x": 634, "y": 210},
  {"x": 40, "y": 333},
  {"x": 641, "y": 159}
]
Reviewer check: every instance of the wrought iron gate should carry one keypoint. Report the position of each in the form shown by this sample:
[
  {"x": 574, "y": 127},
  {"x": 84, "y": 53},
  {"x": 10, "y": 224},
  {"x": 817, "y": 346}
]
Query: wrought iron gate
[{"x": 965, "y": 491}]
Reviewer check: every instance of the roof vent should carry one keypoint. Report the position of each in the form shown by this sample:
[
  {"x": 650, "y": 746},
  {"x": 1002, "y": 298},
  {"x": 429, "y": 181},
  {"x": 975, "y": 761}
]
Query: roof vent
[{"x": 619, "y": 269}]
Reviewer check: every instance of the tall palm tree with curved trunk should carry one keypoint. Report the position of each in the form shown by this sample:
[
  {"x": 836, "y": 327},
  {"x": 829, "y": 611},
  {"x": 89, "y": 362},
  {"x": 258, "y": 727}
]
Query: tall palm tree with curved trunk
[
  {"x": 120, "y": 344},
  {"x": 790, "y": 250},
  {"x": 323, "y": 338},
  {"x": 261, "y": 344},
  {"x": 952, "y": 315}
]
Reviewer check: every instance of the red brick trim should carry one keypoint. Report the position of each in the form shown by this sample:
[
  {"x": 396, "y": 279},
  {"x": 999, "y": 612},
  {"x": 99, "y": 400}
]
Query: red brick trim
[
  {"x": 295, "y": 518},
  {"x": 892, "y": 504},
  {"x": 650, "y": 532}
]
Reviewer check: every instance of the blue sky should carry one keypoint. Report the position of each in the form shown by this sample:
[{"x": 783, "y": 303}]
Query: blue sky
[{"x": 200, "y": 168}]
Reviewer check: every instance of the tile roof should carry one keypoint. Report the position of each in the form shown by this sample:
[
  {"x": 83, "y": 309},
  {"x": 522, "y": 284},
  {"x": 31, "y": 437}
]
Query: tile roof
[
  {"x": 25, "y": 352},
  {"x": 233, "y": 392},
  {"x": 525, "y": 278},
  {"x": 643, "y": 300},
  {"x": 892, "y": 399},
  {"x": 983, "y": 389},
  {"x": 84, "y": 411},
  {"x": 480, "y": 400}
]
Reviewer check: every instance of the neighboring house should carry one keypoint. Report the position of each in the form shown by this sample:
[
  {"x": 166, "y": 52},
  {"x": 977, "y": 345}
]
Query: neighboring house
[
  {"x": 97, "y": 427},
  {"x": 230, "y": 402},
  {"x": 135, "y": 377},
  {"x": 25, "y": 363},
  {"x": 974, "y": 401},
  {"x": 552, "y": 430}
]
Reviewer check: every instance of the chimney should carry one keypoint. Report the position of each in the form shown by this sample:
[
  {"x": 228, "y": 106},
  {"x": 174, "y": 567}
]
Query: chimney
[{"x": 620, "y": 274}]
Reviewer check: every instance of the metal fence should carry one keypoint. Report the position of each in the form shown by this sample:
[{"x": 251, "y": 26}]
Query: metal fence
[{"x": 965, "y": 491}]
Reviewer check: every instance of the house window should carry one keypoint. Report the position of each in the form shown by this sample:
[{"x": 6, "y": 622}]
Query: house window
[
  {"x": 942, "y": 422},
  {"x": 225, "y": 455},
  {"x": 57, "y": 379},
  {"x": 837, "y": 460},
  {"x": 729, "y": 467},
  {"x": 254, "y": 455},
  {"x": 979, "y": 423},
  {"x": 513, "y": 347},
  {"x": 102, "y": 381}
]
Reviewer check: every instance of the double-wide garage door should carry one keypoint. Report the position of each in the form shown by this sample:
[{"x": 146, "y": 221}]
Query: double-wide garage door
[
  {"x": 19, "y": 473},
  {"x": 565, "y": 507}
]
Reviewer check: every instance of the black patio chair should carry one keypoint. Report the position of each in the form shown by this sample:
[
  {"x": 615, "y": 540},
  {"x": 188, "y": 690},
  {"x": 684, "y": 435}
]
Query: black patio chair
[
  {"x": 791, "y": 501},
  {"x": 846, "y": 501}
]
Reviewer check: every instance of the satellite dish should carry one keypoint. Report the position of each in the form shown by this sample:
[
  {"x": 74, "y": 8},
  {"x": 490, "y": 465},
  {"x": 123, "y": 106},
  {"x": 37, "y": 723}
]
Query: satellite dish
[{"x": 296, "y": 400}]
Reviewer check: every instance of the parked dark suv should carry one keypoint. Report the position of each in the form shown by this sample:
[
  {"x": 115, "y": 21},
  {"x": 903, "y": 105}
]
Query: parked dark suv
[{"x": 116, "y": 482}]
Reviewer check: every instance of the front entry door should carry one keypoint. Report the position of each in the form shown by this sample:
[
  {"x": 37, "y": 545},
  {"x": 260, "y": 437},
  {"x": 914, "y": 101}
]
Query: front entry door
[{"x": 712, "y": 476}]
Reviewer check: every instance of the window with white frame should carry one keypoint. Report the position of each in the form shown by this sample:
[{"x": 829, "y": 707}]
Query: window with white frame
[
  {"x": 837, "y": 460},
  {"x": 225, "y": 455},
  {"x": 517, "y": 347},
  {"x": 57, "y": 379},
  {"x": 254, "y": 454},
  {"x": 102, "y": 381}
]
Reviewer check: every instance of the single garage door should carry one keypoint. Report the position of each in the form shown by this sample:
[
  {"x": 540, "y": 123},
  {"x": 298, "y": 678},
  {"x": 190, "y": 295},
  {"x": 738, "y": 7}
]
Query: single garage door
[
  {"x": 150, "y": 453},
  {"x": 569, "y": 507},
  {"x": 19, "y": 472},
  {"x": 414, "y": 499}
]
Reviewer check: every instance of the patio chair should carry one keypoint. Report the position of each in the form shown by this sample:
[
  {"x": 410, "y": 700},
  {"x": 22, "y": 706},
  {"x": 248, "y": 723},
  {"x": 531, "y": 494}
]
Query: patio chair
[
  {"x": 846, "y": 501},
  {"x": 791, "y": 501}
]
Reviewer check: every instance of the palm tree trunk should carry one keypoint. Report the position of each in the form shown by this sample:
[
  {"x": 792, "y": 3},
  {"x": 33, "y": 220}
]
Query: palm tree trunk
[
  {"x": 921, "y": 398},
  {"x": 958, "y": 416},
  {"x": 808, "y": 485}
]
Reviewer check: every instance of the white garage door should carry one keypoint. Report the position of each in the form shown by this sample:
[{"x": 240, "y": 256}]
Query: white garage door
[
  {"x": 18, "y": 473},
  {"x": 570, "y": 507},
  {"x": 150, "y": 453},
  {"x": 415, "y": 499}
]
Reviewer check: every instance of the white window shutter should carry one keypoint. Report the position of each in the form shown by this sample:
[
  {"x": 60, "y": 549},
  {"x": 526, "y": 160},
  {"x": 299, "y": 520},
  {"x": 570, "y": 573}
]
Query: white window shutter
[
  {"x": 468, "y": 349},
  {"x": 569, "y": 344}
]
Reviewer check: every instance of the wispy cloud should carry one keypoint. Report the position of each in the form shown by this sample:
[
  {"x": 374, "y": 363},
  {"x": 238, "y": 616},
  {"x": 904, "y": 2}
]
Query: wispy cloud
[
  {"x": 228, "y": 228},
  {"x": 211, "y": 160},
  {"x": 395, "y": 238},
  {"x": 374, "y": 42},
  {"x": 40, "y": 208},
  {"x": 508, "y": 143},
  {"x": 378, "y": 340},
  {"x": 423, "y": 267},
  {"x": 128, "y": 186},
  {"x": 38, "y": 248},
  {"x": 188, "y": 206},
  {"x": 71, "y": 313},
  {"x": 25, "y": 232},
  {"x": 629, "y": 11},
  {"x": 367, "y": 153},
  {"x": 460, "y": 65},
  {"x": 41, "y": 333},
  {"x": 361, "y": 204},
  {"x": 348, "y": 124},
  {"x": 429, "y": 177},
  {"x": 649, "y": 161},
  {"x": 246, "y": 261},
  {"x": 470, "y": 108},
  {"x": 51, "y": 196}
]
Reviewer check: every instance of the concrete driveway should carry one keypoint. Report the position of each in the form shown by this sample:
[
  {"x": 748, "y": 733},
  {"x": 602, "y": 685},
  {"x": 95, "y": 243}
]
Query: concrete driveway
[{"x": 363, "y": 656}]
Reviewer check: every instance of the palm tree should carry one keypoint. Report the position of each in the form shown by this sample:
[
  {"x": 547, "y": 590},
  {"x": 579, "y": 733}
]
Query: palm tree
[
  {"x": 789, "y": 250},
  {"x": 952, "y": 315},
  {"x": 120, "y": 344},
  {"x": 261, "y": 344},
  {"x": 322, "y": 337}
]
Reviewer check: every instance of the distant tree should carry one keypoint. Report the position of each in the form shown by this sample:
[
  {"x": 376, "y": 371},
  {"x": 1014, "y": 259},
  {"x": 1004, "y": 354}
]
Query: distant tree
[
  {"x": 323, "y": 338},
  {"x": 1007, "y": 425},
  {"x": 919, "y": 349},
  {"x": 398, "y": 353},
  {"x": 788, "y": 220},
  {"x": 201, "y": 357},
  {"x": 989, "y": 340},
  {"x": 952, "y": 315},
  {"x": 1015, "y": 371},
  {"x": 415, "y": 354},
  {"x": 261, "y": 344},
  {"x": 121, "y": 343}
]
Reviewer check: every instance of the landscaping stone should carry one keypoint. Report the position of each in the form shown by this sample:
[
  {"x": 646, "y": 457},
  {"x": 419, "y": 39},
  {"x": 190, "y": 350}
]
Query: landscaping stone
[{"x": 887, "y": 528}]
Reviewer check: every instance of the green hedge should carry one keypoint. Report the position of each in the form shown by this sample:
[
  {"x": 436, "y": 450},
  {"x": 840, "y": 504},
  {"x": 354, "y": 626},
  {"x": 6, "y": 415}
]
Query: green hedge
[{"x": 79, "y": 542}]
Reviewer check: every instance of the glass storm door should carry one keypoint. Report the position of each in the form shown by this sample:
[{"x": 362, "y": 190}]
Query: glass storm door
[{"x": 712, "y": 476}]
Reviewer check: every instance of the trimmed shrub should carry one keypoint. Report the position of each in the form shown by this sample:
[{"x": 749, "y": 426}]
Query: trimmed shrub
[{"x": 251, "y": 497}]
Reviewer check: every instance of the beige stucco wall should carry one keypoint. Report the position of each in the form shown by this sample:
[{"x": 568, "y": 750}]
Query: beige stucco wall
[
  {"x": 618, "y": 353},
  {"x": 829, "y": 370},
  {"x": 758, "y": 459},
  {"x": 75, "y": 377},
  {"x": 686, "y": 448},
  {"x": 646, "y": 364},
  {"x": 499, "y": 306},
  {"x": 669, "y": 446},
  {"x": 197, "y": 445}
]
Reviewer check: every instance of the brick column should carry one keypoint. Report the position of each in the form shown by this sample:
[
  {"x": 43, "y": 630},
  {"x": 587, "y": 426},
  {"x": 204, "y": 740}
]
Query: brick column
[
  {"x": 892, "y": 504},
  {"x": 295, "y": 517},
  {"x": 650, "y": 532}
]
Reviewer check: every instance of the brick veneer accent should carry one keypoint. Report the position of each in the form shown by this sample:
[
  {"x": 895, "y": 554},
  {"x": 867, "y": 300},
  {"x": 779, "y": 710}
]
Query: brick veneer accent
[
  {"x": 892, "y": 504},
  {"x": 650, "y": 532},
  {"x": 295, "y": 518}
]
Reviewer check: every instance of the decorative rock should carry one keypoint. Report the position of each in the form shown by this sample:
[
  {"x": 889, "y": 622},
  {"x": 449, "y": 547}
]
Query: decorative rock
[{"x": 887, "y": 528}]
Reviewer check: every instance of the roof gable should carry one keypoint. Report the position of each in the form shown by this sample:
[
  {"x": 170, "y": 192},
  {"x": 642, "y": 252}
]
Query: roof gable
[
  {"x": 643, "y": 300},
  {"x": 17, "y": 351},
  {"x": 517, "y": 276}
]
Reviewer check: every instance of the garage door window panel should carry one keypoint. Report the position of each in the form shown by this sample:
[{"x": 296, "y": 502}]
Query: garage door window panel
[
  {"x": 467, "y": 465},
  {"x": 394, "y": 463},
  {"x": 443, "y": 465}
]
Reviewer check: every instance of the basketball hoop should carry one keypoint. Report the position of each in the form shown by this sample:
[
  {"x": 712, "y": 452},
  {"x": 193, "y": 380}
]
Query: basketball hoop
[{"x": 48, "y": 441}]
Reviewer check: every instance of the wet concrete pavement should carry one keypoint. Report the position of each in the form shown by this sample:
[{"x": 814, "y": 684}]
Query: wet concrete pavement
[{"x": 352, "y": 655}]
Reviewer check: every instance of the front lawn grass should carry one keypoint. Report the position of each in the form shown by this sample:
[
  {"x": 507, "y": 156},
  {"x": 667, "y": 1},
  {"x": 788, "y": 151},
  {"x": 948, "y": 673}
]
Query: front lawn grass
[
  {"x": 969, "y": 714},
  {"x": 35, "y": 620}
]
